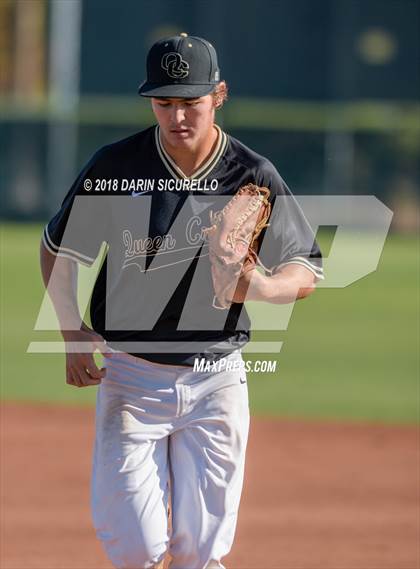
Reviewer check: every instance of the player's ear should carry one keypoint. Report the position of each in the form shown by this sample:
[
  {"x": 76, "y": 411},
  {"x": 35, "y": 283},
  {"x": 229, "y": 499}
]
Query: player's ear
[{"x": 220, "y": 94}]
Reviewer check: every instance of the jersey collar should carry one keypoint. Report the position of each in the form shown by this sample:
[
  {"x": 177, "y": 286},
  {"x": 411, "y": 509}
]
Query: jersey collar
[{"x": 204, "y": 169}]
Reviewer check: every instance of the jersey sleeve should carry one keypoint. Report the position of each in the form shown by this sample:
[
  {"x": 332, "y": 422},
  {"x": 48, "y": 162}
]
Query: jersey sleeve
[
  {"x": 289, "y": 239},
  {"x": 79, "y": 228}
]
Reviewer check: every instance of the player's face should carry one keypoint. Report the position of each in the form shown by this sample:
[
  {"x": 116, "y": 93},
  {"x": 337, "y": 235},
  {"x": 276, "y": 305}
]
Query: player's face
[{"x": 185, "y": 122}]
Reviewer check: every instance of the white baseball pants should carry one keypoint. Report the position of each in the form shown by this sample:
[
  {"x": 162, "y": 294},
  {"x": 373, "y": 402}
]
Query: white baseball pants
[{"x": 158, "y": 425}]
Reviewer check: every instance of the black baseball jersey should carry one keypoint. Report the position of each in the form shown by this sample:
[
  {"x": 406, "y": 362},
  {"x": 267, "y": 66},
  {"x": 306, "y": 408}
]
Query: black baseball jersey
[{"x": 153, "y": 296}]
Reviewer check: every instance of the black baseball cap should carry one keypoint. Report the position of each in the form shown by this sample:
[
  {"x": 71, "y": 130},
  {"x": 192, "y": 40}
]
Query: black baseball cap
[{"x": 181, "y": 66}]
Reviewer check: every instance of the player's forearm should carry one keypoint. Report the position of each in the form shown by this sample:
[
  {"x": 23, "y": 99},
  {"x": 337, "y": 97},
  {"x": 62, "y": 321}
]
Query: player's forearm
[
  {"x": 283, "y": 289},
  {"x": 289, "y": 284},
  {"x": 60, "y": 279}
]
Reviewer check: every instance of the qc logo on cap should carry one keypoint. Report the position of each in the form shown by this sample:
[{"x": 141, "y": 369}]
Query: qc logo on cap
[
  {"x": 181, "y": 66},
  {"x": 174, "y": 65}
]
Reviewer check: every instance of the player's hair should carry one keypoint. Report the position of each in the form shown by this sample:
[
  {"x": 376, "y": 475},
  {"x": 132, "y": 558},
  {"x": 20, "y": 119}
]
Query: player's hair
[{"x": 220, "y": 94}]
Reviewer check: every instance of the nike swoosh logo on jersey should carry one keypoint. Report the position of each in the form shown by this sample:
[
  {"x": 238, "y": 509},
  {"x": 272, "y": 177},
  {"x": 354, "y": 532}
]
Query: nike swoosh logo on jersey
[
  {"x": 136, "y": 194},
  {"x": 242, "y": 380}
]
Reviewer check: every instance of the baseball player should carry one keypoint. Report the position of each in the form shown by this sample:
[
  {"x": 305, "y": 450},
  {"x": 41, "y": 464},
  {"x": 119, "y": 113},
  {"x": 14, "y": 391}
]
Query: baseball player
[{"x": 167, "y": 434}]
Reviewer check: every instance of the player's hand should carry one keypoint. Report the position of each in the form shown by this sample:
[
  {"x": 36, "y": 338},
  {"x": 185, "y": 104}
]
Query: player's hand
[{"x": 81, "y": 368}]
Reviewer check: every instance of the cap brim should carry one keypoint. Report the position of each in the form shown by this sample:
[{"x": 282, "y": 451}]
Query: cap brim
[{"x": 183, "y": 91}]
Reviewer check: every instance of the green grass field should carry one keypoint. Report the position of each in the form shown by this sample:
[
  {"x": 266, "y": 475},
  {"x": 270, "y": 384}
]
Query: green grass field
[{"x": 349, "y": 354}]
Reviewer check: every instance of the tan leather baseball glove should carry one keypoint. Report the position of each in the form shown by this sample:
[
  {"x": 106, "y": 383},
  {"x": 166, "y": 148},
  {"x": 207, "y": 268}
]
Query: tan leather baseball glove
[{"x": 233, "y": 240}]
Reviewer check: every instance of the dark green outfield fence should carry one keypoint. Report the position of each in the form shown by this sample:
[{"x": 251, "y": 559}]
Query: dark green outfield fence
[
  {"x": 317, "y": 148},
  {"x": 327, "y": 89}
]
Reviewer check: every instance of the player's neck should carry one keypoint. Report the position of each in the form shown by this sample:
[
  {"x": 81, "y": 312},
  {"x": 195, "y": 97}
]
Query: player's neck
[{"x": 190, "y": 160}]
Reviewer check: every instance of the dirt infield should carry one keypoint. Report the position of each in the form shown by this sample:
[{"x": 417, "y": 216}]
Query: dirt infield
[{"x": 317, "y": 496}]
